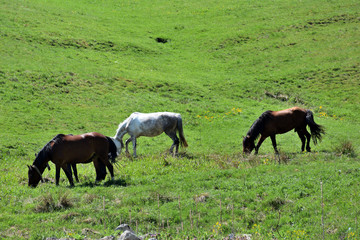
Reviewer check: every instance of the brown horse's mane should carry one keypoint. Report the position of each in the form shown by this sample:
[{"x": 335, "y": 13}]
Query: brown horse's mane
[
  {"x": 45, "y": 152},
  {"x": 258, "y": 126}
]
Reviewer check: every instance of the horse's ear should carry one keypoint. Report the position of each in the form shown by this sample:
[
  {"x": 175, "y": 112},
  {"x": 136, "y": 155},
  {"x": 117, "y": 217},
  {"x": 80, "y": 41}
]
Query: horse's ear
[
  {"x": 35, "y": 154},
  {"x": 29, "y": 166}
]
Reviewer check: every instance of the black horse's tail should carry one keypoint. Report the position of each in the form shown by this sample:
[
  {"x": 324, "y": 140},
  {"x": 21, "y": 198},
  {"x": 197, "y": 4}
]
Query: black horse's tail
[
  {"x": 112, "y": 150},
  {"x": 181, "y": 133},
  {"x": 316, "y": 130}
]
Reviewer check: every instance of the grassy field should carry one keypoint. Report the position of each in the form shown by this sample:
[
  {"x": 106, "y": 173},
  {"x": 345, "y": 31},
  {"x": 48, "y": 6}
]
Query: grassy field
[{"x": 82, "y": 66}]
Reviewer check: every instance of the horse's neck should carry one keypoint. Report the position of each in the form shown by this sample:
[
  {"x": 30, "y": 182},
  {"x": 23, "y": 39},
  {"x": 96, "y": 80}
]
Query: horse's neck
[
  {"x": 255, "y": 130},
  {"x": 42, "y": 166},
  {"x": 121, "y": 131}
]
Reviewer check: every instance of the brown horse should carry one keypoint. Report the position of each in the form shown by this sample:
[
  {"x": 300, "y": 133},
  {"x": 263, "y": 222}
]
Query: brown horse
[
  {"x": 66, "y": 150},
  {"x": 271, "y": 123}
]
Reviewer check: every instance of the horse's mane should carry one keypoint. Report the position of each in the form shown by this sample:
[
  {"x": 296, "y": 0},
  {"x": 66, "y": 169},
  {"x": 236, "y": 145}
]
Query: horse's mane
[
  {"x": 112, "y": 150},
  {"x": 258, "y": 126},
  {"x": 45, "y": 152},
  {"x": 122, "y": 126}
]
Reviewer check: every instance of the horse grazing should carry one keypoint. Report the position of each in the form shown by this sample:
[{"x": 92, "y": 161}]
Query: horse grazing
[
  {"x": 66, "y": 150},
  {"x": 271, "y": 123},
  {"x": 151, "y": 125}
]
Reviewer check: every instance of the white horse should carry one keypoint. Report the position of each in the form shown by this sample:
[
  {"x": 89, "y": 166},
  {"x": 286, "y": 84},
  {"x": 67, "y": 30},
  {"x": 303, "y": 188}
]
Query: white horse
[{"x": 150, "y": 125}]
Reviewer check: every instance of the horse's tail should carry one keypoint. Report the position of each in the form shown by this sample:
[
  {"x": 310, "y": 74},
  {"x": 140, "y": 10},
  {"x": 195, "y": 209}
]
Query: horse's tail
[
  {"x": 183, "y": 142},
  {"x": 112, "y": 150},
  {"x": 316, "y": 130}
]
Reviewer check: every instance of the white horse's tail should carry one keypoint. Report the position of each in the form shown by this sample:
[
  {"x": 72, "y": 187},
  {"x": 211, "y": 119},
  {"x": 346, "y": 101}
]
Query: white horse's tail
[{"x": 183, "y": 142}]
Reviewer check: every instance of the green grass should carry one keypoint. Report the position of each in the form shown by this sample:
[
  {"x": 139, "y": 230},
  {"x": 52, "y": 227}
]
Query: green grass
[
  {"x": 81, "y": 66},
  {"x": 255, "y": 195}
]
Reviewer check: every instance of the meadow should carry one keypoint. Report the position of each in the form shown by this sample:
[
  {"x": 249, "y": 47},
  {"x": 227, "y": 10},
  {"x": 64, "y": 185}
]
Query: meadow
[{"x": 82, "y": 66}]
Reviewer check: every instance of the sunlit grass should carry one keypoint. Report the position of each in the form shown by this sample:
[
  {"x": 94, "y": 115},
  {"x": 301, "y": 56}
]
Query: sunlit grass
[{"x": 81, "y": 66}]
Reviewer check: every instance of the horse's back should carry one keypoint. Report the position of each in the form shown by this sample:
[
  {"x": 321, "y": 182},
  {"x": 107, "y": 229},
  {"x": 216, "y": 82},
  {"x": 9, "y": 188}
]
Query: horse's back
[
  {"x": 294, "y": 111},
  {"x": 154, "y": 115},
  {"x": 286, "y": 120},
  {"x": 152, "y": 118},
  {"x": 81, "y": 147},
  {"x": 151, "y": 124}
]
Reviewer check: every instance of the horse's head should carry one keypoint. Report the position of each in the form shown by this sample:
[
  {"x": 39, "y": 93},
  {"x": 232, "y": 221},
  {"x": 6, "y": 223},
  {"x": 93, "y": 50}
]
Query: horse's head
[
  {"x": 34, "y": 176},
  {"x": 118, "y": 143},
  {"x": 248, "y": 144},
  {"x": 38, "y": 167}
]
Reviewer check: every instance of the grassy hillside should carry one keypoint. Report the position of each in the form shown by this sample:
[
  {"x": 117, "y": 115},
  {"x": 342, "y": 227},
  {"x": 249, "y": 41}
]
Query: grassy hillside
[{"x": 81, "y": 66}]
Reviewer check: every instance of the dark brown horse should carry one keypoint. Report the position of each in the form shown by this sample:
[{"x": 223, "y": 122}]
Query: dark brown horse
[
  {"x": 66, "y": 150},
  {"x": 271, "y": 123}
]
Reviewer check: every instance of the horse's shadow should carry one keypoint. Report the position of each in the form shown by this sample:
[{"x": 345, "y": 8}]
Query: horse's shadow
[{"x": 117, "y": 182}]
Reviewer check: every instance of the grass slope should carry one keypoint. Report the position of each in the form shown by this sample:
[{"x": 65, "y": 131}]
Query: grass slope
[{"x": 80, "y": 66}]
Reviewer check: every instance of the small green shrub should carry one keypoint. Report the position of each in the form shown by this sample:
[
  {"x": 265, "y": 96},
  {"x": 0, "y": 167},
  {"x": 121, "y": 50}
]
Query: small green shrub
[
  {"x": 48, "y": 204},
  {"x": 345, "y": 148}
]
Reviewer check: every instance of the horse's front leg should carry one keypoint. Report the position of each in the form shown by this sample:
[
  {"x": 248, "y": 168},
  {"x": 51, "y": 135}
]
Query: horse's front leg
[
  {"x": 68, "y": 173},
  {"x": 273, "y": 140},
  {"x": 110, "y": 167},
  {"x": 134, "y": 145},
  {"x": 127, "y": 145},
  {"x": 57, "y": 175},
  {"x": 262, "y": 138},
  {"x": 100, "y": 170}
]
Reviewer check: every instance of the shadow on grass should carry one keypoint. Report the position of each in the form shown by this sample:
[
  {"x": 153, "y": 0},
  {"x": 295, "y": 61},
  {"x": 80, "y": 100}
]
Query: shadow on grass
[{"x": 117, "y": 182}]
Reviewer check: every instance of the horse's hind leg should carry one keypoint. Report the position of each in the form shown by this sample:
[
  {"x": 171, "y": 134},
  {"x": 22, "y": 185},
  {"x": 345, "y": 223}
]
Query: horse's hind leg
[
  {"x": 75, "y": 171},
  {"x": 302, "y": 137},
  {"x": 176, "y": 142},
  {"x": 308, "y": 137}
]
